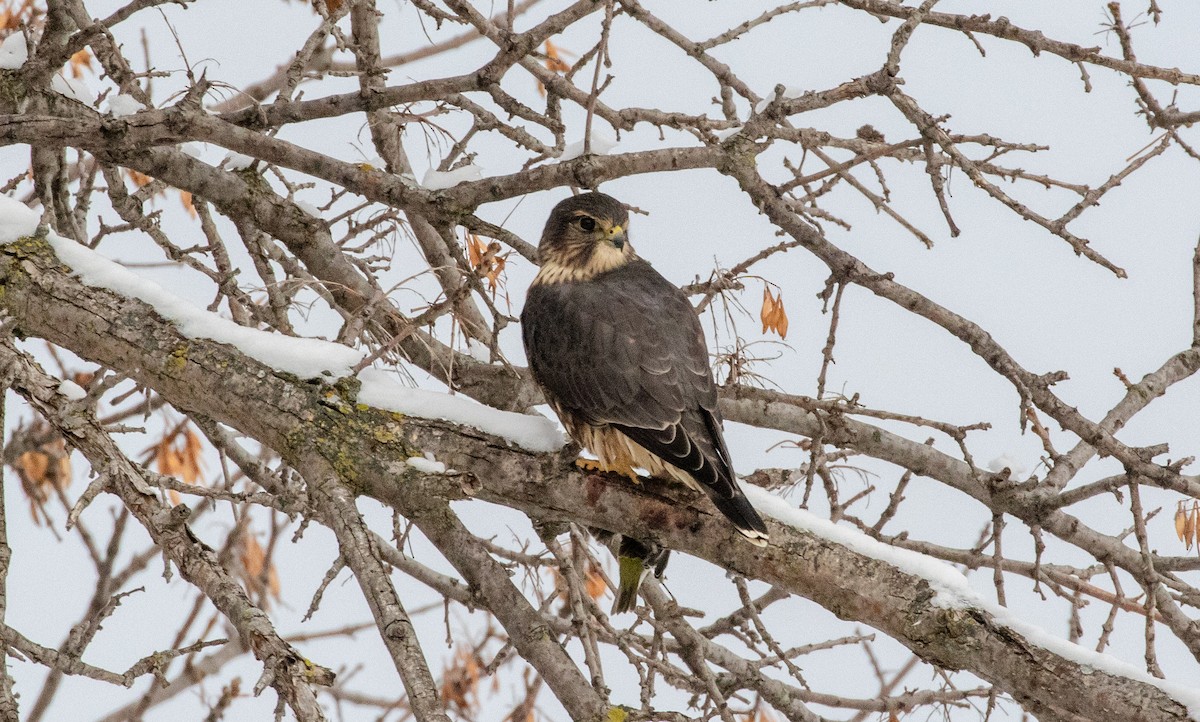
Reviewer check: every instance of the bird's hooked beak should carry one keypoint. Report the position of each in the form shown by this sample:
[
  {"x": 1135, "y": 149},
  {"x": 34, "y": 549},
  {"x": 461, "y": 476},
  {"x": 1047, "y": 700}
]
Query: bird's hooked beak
[{"x": 616, "y": 236}]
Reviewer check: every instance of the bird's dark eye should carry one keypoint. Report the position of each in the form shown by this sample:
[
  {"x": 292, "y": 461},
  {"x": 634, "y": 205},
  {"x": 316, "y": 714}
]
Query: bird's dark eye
[{"x": 587, "y": 223}]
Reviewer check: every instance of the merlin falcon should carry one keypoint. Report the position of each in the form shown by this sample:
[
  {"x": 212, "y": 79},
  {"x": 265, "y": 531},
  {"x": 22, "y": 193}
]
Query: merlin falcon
[{"x": 621, "y": 357}]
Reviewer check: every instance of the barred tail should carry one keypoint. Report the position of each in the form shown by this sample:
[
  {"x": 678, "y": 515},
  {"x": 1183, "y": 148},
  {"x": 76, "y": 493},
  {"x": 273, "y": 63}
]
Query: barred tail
[{"x": 744, "y": 517}]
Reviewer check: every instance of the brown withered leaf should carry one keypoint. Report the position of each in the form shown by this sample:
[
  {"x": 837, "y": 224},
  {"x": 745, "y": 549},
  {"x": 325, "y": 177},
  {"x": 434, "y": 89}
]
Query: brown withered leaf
[
  {"x": 80, "y": 62},
  {"x": 43, "y": 469},
  {"x": 1181, "y": 519},
  {"x": 460, "y": 682},
  {"x": 475, "y": 249},
  {"x": 1189, "y": 526},
  {"x": 768, "y": 309},
  {"x": 139, "y": 179},
  {"x": 169, "y": 462},
  {"x": 487, "y": 262},
  {"x": 593, "y": 581},
  {"x": 15, "y": 12},
  {"x": 190, "y": 457},
  {"x": 1195, "y": 517},
  {"x": 166, "y": 458},
  {"x": 185, "y": 197},
  {"x": 254, "y": 559},
  {"x": 554, "y": 62},
  {"x": 774, "y": 317},
  {"x": 178, "y": 454}
]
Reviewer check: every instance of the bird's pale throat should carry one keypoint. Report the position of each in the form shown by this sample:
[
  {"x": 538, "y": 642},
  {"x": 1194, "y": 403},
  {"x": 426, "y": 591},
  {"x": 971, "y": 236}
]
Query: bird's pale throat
[{"x": 583, "y": 263}]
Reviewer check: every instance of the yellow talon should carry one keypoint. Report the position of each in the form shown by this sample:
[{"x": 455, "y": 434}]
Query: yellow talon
[
  {"x": 624, "y": 469},
  {"x": 589, "y": 465},
  {"x": 627, "y": 470}
]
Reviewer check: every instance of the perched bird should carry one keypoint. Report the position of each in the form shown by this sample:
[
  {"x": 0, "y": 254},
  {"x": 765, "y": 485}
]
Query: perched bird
[
  {"x": 621, "y": 357},
  {"x": 635, "y": 559}
]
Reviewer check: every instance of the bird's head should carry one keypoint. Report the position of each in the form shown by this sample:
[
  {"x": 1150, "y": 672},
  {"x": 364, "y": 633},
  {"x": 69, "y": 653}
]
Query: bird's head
[{"x": 585, "y": 236}]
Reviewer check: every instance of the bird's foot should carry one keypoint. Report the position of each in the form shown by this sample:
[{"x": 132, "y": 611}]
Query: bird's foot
[
  {"x": 593, "y": 466},
  {"x": 590, "y": 465}
]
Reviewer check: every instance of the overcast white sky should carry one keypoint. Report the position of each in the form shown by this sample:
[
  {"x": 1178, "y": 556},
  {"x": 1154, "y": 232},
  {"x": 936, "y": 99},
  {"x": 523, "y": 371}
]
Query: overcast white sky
[{"x": 1050, "y": 309}]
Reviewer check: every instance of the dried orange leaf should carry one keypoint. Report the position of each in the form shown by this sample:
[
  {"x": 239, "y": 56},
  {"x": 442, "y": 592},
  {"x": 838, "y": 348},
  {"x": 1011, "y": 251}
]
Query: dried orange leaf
[
  {"x": 166, "y": 458},
  {"x": 768, "y": 307},
  {"x": 1195, "y": 516},
  {"x": 42, "y": 470},
  {"x": 773, "y": 317},
  {"x": 33, "y": 466},
  {"x": 331, "y": 6},
  {"x": 1181, "y": 520},
  {"x": 554, "y": 59},
  {"x": 474, "y": 250},
  {"x": 254, "y": 559},
  {"x": 554, "y": 62},
  {"x": 139, "y": 179},
  {"x": 1189, "y": 526},
  {"x": 185, "y": 197},
  {"x": 594, "y": 583},
  {"x": 781, "y": 319},
  {"x": 487, "y": 261},
  {"x": 190, "y": 467},
  {"x": 80, "y": 62},
  {"x": 460, "y": 682}
]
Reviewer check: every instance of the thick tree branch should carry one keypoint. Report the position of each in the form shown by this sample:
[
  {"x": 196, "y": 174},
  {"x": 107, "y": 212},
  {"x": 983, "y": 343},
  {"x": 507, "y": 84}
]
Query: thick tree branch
[{"x": 368, "y": 449}]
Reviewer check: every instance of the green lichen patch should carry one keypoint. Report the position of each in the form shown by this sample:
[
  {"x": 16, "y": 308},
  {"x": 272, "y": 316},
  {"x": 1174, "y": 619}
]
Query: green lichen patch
[
  {"x": 353, "y": 437},
  {"x": 176, "y": 362}
]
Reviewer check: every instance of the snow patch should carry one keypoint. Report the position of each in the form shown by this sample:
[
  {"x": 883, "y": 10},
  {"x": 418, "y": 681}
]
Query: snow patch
[
  {"x": 237, "y": 161},
  {"x": 535, "y": 433},
  {"x": 1016, "y": 469},
  {"x": 601, "y": 145},
  {"x": 478, "y": 351},
  {"x": 308, "y": 208},
  {"x": 71, "y": 88},
  {"x": 193, "y": 149},
  {"x": 13, "y": 52},
  {"x": 303, "y": 357},
  {"x": 790, "y": 92},
  {"x": 426, "y": 465},
  {"x": 953, "y": 591},
  {"x": 121, "y": 105},
  {"x": 16, "y": 220},
  {"x": 71, "y": 390},
  {"x": 436, "y": 180}
]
